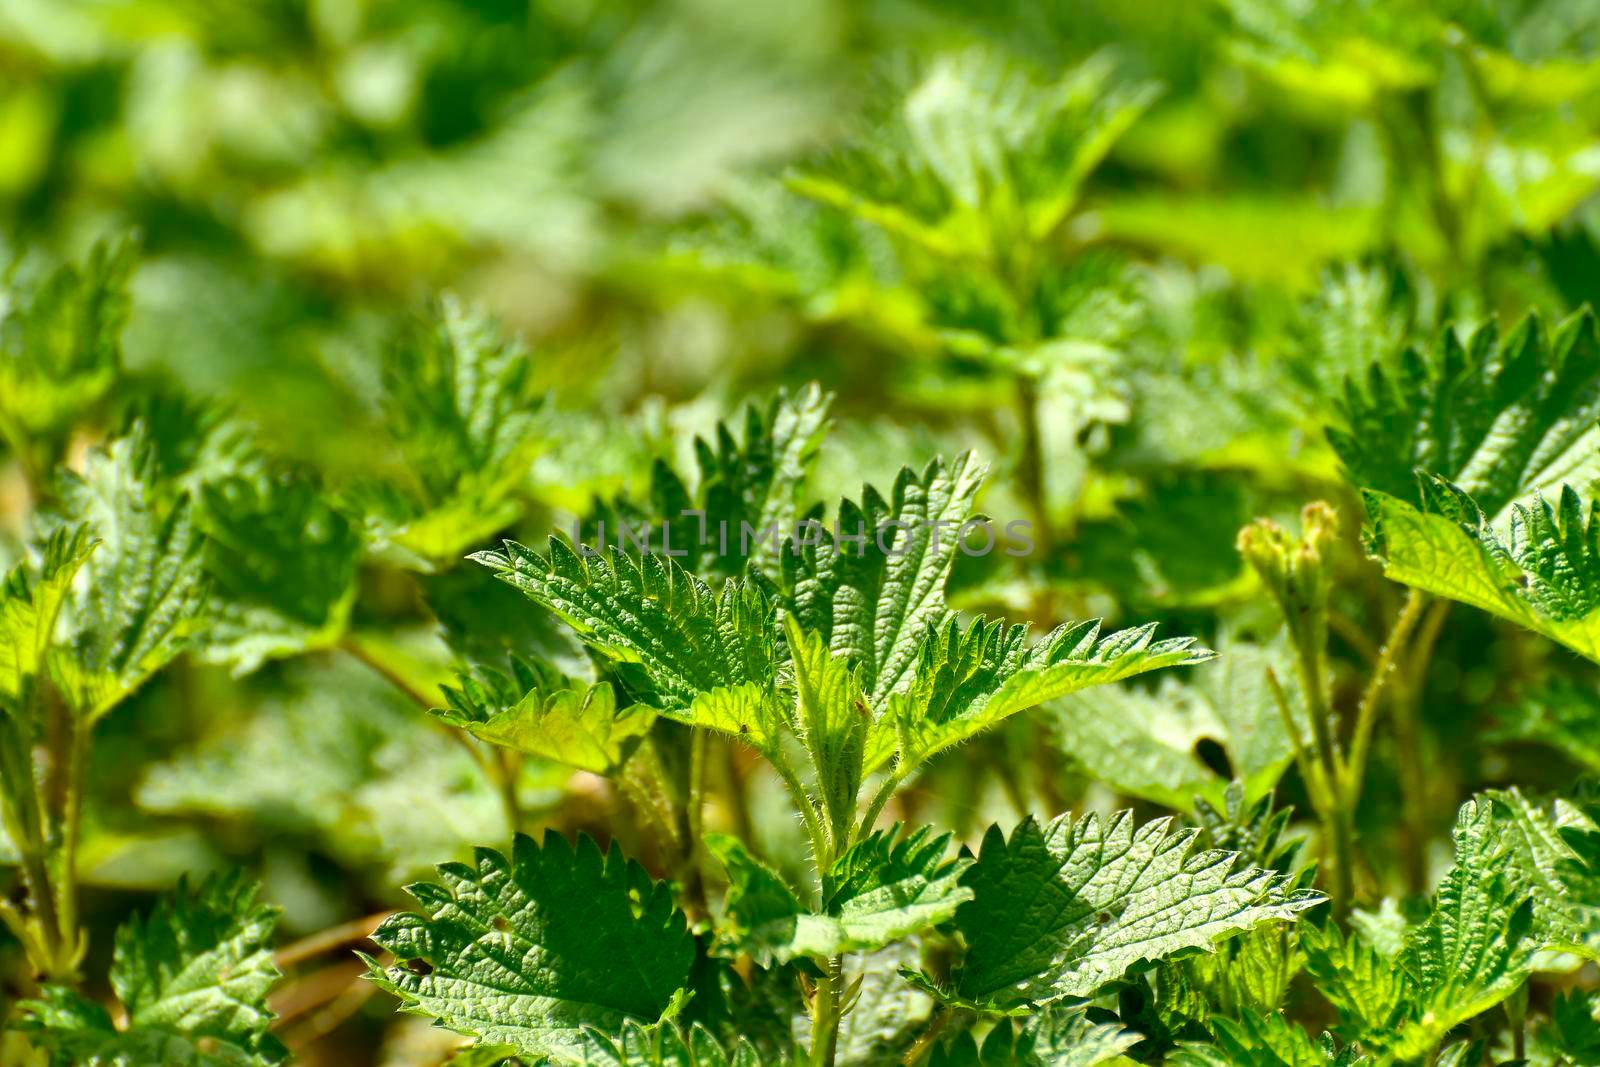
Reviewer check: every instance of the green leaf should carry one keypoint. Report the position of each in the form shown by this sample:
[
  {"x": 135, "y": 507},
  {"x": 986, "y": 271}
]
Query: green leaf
[
  {"x": 1145, "y": 743},
  {"x": 1503, "y": 419},
  {"x": 832, "y": 721},
  {"x": 1561, "y": 715},
  {"x": 282, "y": 567},
  {"x": 651, "y": 612},
  {"x": 1537, "y": 837},
  {"x": 200, "y": 963},
  {"x": 667, "y": 1046},
  {"x": 193, "y": 978},
  {"x": 883, "y": 889},
  {"x": 1107, "y": 896},
  {"x": 580, "y": 727},
  {"x": 456, "y": 395},
  {"x": 31, "y": 599},
  {"x": 1476, "y": 947},
  {"x": 1574, "y": 1028},
  {"x": 1545, "y": 576},
  {"x": 532, "y": 950},
  {"x": 981, "y": 155},
  {"x": 966, "y": 681},
  {"x": 1264, "y": 1039},
  {"x": 60, "y": 340},
  {"x": 747, "y": 500},
  {"x": 143, "y": 590},
  {"x": 1057, "y": 1036},
  {"x": 876, "y": 599}
]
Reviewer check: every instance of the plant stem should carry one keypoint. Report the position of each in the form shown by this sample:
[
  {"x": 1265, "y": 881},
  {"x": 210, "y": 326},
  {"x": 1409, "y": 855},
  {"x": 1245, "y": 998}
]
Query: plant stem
[
  {"x": 924, "y": 1044},
  {"x": 1030, "y": 465},
  {"x": 333, "y": 937},
  {"x": 491, "y": 771},
  {"x": 1367, "y": 713},
  {"x": 694, "y": 876},
  {"x": 886, "y": 789},
  {"x": 77, "y": 756},
  {"x": 821, "y": 854},
  {"x": 361, "y": 654},
  {"x": 825, "y": 1016}
]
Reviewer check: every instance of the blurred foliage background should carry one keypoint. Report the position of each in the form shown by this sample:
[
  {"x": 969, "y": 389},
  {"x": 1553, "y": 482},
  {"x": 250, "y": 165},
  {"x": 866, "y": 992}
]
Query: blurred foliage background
[{"x": 1126, "y": 250}]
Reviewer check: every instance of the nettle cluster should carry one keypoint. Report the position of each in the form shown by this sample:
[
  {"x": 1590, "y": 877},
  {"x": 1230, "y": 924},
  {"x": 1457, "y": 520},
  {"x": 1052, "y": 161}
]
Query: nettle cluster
[{"x": 1075, "y": 940}]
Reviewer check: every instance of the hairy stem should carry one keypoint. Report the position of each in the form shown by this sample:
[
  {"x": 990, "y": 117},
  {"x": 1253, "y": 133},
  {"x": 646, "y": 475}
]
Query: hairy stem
[
  {"x": 886, "y": 789},
  {"x": 695, "y": 814},
  {"x": 1366, "y": 714},
  {"x": 825, "y": 1014},
  {"x": 924, "y": 1044}
]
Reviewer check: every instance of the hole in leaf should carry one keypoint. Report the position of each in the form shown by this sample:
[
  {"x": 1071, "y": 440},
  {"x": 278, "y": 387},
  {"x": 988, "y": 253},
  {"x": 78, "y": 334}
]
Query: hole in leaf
[
  {"x": 1210, "y": 752},
  {"x": 422, "y": 967}
]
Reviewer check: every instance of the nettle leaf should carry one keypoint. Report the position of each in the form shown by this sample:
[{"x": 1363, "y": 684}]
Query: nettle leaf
[
  {"x": 1064, "y": 909},
  {"x": 141, "y": 594},
  {"x": 746, "y": 503},
  {"x": 667, "y": 1046},
  {"x": 60, "y": 340},
  {"x": 832, "y": 720},
  {"x": 1147, "y": 743},
  {"x": 1502, "y": 419},
  {"x": 31, "y": 599},
  {"x": 883, "y": 889},
  {"x": 533, "y": 950},
  {"x": 1056, "y": 1036},
  {"x": 876, "y": 599},
  {"x": 1574, "y": 1028},
  {"x": 1268, "y": 1038},
  {"x": 456, "y": 397},
  {"x": 555, "y": 719},
  {"x": 193, "y": 977},
  {"x": 282, "y": 567},
  {"x": 980, "y": 155},
  {"x": 1545, "y": 575},
  {"x": 965, "y": 681},
  {"x": 1537, "y": 836},
  {"x": 1477, "y": 946},
  {"x": 651, "y": 612},
  {"x": 1560, "y": 715}
]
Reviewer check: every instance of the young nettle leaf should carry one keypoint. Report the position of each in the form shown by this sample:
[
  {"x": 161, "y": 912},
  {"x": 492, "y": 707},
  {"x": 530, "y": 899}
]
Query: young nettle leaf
[
  {"x": 1537, "y": 836},
  {"x": 457, "y": 404},
  {"x": 1562, "y": 716},
  {"x": 832, "y": 720},
  {"x": 141, "y": 594},
  {"x": 1252, "y": 1040},
  {"x": 61, "y": 341},
  {"x": 1501, "y": 418},
  {"x": 876, "y": 591},
  {"x": 668, "y": 1046},
  {"x": 193, "y": 978},
  {"x": 1573, "y": 1031},
  {"x": 1057, "y": 1036},
  {"x": 1544, "y": 575},
  {"x": 31, "y": 600},
  {"x": 552, "y": 718},
  {"x": 533, "y": 950},
  {"x": 747, "y": 501},
  {"x": 881, "y": 890},
  {"x": 282, "y": 566},
  {"x": 980, "y": 158},
  {"x": 965, "y": 681},
  {"x": 1106, "y": 896},
  {"x": 650, "y": 612},
  {"x": 1476, "y": 948}
]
